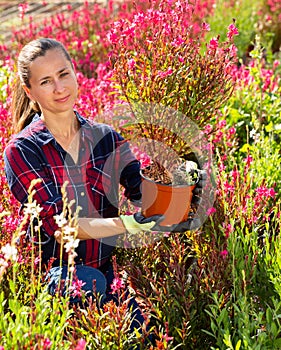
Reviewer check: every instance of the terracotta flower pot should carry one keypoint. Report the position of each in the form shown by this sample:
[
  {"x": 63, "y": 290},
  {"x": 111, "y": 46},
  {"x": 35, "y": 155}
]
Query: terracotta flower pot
[{"x": 171, "y": 201}]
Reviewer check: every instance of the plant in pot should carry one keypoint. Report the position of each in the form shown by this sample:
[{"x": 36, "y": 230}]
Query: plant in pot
[{"x": 172, "y": 84}]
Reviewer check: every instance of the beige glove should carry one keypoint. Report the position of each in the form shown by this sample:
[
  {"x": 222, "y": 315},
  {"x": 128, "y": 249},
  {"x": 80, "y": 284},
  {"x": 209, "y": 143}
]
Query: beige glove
[{"x": 138, "y": 223}]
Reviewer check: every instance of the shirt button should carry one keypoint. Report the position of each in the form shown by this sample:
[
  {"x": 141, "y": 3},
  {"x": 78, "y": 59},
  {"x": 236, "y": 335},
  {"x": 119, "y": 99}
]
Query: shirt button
[{"x": 82, "y": 194}]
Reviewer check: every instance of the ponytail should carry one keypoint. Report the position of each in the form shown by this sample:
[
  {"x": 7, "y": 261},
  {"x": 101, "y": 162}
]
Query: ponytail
[{"x": 23, "y": 109}]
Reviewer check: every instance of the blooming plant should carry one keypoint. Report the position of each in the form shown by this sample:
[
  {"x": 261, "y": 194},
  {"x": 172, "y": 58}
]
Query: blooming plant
[
  {"x": 176, "y": 73},
  {"x": 174, "y": 90}
]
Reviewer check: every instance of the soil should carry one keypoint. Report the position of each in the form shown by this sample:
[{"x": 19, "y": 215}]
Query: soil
[
  {"x": 158, "y": 173},
  {"x": 178, "y": 176}
]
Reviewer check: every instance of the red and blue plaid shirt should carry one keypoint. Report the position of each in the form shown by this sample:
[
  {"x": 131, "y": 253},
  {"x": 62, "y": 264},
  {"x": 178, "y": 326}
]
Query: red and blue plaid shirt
[{"x": 105, "y": 161}]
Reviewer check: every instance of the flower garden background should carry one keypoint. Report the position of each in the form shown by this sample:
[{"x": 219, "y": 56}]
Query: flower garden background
[{"x": 218, "y": 287}]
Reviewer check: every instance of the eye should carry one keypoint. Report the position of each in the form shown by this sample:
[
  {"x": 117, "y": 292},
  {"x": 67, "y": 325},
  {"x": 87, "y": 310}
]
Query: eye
[
  {"x": 45, "y": 82},
  {"x": 64, "y": 74}
]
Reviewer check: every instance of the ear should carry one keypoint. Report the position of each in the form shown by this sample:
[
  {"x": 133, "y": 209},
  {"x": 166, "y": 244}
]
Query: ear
[{"x": 27, "y": 91}]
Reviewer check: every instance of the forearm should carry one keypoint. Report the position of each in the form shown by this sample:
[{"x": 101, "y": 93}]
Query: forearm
[{"x": 96, "y": 228}]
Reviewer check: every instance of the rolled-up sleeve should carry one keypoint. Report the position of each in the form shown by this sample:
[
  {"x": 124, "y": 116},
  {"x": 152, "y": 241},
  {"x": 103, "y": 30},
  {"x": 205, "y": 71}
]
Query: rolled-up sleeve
[{"x": 23, "y": 164}]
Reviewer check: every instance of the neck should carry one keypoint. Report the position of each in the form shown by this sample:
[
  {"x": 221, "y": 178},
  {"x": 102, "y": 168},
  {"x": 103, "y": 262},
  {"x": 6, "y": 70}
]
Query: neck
[{"x": 62, "y": 127}]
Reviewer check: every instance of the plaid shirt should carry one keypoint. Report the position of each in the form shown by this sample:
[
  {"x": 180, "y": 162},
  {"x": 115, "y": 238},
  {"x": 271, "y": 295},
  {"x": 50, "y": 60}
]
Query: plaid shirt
[{"x": 104, "y": 162}]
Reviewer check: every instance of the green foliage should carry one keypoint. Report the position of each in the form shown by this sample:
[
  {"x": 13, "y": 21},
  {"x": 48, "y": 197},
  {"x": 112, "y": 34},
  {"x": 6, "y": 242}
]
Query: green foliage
[
  {"x": 245, "y": 14},
  {"x": 5, "y": 80},
  {"x": 250, "y": 317},
  {"x": 252, "y": 18},
  {"x": 254, "y": 109},
  {"x": 255, "y": 103},
  {"x": 40, "y": 323}
]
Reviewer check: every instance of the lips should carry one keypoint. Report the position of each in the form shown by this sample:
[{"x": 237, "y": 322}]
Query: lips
[{"x": 63, "y": 99}]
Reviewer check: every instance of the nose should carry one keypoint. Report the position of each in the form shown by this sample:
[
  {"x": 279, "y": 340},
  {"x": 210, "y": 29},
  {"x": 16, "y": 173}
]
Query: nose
[{"x": 58, "y": 86}]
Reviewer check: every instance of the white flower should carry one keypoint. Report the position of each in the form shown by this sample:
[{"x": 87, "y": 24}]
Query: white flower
[
  {"x": 60, "y": 220},
  {"x": 69, "y": 231},
  {"x": 3, "y": 263},
  {"x": 32, "y": 209},
  {"x": 10, "y": 252},
  {"x": 71, "y": 245}
]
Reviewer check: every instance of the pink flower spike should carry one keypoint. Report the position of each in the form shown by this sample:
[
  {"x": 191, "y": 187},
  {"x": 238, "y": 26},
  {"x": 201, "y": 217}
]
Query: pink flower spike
[
  {"x": 232, "y": 30},
  {"x": 248, "y": 160}
]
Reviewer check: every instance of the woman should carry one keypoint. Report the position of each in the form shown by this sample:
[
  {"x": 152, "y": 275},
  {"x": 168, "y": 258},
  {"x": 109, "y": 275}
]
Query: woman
[{"x": 57, "y": 145}]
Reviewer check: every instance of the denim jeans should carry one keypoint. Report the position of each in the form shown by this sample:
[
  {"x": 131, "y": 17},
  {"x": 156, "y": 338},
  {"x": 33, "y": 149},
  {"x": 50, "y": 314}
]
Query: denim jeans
[
  {"x": 86, "y": 274},
  {"x": 102, "y": 284}
]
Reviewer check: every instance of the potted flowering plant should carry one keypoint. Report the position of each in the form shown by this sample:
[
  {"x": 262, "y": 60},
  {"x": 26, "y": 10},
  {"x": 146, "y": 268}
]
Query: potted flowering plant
[{"x": 173, "y": 85}]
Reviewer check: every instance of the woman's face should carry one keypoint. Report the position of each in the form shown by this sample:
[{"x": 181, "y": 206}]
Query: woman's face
[{"x": 53, "y": 83}]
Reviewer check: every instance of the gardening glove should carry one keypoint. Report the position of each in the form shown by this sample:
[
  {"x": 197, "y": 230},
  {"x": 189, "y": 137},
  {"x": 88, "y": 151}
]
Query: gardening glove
[
  {"x": 189, "y": 225},
  {"x": 198, "y": 190},
  {"x": 137, "y": 223}
]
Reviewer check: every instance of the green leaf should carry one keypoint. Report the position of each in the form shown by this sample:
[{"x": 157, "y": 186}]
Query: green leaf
[
  {"x": 269, "y": 127},
  {"x": 277, "y": 343},
  {"x": 238, "y": 345},
  {"x": 246, "y": 147}
]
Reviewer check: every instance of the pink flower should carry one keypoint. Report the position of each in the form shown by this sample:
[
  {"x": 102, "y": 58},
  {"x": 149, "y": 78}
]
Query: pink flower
[
  {"x": 224, "y": 253},
  {"x": 276, "y": 63},
  {"x": 227, "y": 229},
  {"x": 117, "y": 284},
  {"x": 228, "y": 187},
  {"x": 263, "y": 191},
  {"x": 167, "y": 338},
  {"x": 23, "y": 7},
  {"x": 206, "y": 27},
  {"x": 178, "y": 41},
  {"x": 76, "y": 288},
  {"x": 213, "y": 44},
  {"x": 232, "y": 130},
  {"x": 233, "y": 50},
  {"x": 232, "y": 30},
  {"x": 248, "y": 160},
  {"x": 208, "y": 128},
  {"x": 47, "y": 343},
  {"x": 112, "y": 37},
  {"x": 163, "y": 75},
  {"x": 211, "y": 211},
  {"x": 81, "y": 345},
  {"x": 131, "y": 63},
  {"x": 221, "y": 124},
  {"x": 181, "y": 59},
  {"x": 234, "y": 174}
]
